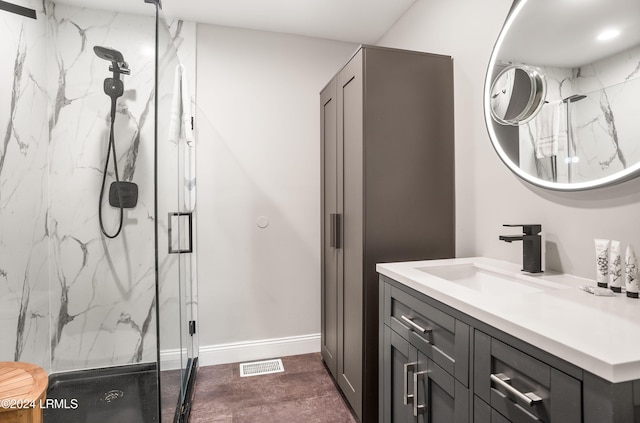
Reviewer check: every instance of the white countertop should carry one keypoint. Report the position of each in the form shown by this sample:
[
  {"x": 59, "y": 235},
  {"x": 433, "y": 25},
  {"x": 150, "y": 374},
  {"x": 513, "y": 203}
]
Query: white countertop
[{"x": 598, "y": 334}]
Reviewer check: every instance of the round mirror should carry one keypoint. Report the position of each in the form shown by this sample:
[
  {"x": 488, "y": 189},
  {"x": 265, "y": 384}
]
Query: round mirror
[
  {"x": 517, "y": 94},
  {"x": 562, "y": 93}
]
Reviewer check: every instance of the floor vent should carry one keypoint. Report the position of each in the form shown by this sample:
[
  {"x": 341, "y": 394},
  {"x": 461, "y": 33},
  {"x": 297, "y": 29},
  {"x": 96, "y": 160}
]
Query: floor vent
[{"x": 257, "y": 368}]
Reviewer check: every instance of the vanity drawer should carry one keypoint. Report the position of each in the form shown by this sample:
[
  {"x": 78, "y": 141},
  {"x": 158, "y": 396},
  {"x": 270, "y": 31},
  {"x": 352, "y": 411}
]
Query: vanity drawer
[
  {"x": 483, "y": 413},
  {"x": 522, "y": 388},
  {"x": 436, "y": 334}
]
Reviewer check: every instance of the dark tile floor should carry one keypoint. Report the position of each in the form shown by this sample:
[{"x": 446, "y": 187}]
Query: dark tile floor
[{"x": 304, "y": 393}]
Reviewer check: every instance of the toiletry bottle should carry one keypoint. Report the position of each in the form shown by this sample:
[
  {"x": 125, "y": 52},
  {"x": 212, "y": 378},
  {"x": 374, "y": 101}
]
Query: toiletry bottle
[
  {"x": 616, "y": 280},
  {"x": 602, "y": 262},
  {"x": 632, "y": 284}
]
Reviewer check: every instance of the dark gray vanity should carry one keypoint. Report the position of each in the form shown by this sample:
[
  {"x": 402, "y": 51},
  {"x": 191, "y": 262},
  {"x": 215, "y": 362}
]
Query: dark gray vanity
[
  {"x": 475, "y": 339},
  {"x": 441, "y": 365},
  {"x": 421, "y": 348}
]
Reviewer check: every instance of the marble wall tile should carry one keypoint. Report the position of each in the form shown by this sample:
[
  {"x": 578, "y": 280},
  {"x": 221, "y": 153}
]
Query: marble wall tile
[
  {"x": 73, "y": 298},
  {"x": 607, "y": 127},
  {"x": 24, "y": 232},
  {"x": 102, "y": 290}
]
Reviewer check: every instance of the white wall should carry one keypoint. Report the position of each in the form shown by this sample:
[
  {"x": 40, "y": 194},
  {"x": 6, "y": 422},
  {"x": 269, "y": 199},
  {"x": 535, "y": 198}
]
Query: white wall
[
  {"x": 259, "y": 155},
  {"x": 488, "y": 194}
]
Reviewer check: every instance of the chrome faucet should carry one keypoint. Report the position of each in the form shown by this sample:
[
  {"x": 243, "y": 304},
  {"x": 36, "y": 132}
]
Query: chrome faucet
[{"x": 531, "y": 246}]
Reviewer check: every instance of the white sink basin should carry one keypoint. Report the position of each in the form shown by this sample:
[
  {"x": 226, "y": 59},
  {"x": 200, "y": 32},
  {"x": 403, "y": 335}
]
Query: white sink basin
[{"x": 488, "y": 281}]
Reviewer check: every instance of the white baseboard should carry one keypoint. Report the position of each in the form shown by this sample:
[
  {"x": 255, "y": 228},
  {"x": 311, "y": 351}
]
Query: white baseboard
[
  {"x": 245, "y": 351},
  {"x": 170, "y": 359}
]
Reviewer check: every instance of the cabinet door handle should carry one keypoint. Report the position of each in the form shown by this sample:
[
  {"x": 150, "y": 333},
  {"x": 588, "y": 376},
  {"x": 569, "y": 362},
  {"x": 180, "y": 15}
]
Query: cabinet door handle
[
  {"x": 414, "y": 325},
  {"x": 406, "y": 395},
  {"x": 336, "y": 230},
  {"x": 528, "y": 398},
  {"x": 417, "y": 408},
  {"x": 332, "y": 230}
]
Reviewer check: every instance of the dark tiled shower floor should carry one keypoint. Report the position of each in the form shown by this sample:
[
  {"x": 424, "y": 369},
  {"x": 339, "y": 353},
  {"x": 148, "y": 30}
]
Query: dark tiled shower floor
[
  {"x": 304, "y": 393},
  {"x": 124, "y": 394}
]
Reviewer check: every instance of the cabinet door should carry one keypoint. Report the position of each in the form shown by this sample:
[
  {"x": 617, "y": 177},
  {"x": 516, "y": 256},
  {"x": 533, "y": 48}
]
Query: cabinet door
[
  {"x": 438, "y": 335},
  {"x": 350, "y": 285},
  {"x": 397, "y": 383},
  {"x": 330, "y": 225},
  {"x": 439, "y": 398}
]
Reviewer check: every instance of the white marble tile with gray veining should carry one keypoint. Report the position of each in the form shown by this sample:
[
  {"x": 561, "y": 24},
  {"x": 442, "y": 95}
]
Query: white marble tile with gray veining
[
  {"x": 72, "y": 298},
  {"x": 24, "y": 264},
  {"x": 102, "y": 290}
]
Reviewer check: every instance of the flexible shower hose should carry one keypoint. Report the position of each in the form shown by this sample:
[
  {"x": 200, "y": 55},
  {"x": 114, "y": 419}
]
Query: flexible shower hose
[{"x": 111, "y": 148}]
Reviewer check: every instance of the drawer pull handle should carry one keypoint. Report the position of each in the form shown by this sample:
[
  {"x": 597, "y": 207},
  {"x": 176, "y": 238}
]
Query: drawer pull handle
[
  {"x": 406, "y": 395},
  {"x": 417, "y": 408},
  {"x": 415, "y": 325},
  {"x": 528, "y": 398}
]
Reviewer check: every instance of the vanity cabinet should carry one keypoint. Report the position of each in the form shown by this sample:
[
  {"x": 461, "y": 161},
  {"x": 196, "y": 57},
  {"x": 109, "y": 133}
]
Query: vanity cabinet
[
  {"x": 387, "y": 157},
  {"x": 513, "y": 358},
  {"x": 437, "y": 366},
  {"x": 425, "y": 357},
  {"x": 440, "y": 365}
]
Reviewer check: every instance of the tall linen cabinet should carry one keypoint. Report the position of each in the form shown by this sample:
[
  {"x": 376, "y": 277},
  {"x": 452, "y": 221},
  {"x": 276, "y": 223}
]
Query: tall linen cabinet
[{"x": 387, "y": 138}]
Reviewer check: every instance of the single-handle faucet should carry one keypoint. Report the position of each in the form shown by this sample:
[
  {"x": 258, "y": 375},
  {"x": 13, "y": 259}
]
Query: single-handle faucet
[{"x": 531, "y": 246}]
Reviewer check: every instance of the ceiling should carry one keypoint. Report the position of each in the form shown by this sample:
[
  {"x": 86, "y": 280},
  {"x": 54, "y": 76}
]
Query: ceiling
[
  {"x": 563, "y": 33},
  {"x": 356, "y": 21}
]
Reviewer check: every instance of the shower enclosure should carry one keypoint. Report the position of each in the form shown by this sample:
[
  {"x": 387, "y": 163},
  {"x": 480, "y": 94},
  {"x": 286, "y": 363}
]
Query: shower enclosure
[{"x": 112, "y": 320}]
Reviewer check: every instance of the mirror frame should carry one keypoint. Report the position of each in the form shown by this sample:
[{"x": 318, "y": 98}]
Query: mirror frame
[{"x": 619, "y": 177}]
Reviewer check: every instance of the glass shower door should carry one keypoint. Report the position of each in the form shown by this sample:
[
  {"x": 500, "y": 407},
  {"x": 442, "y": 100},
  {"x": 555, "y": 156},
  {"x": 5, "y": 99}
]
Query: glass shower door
[
  {"x": 181, "y": 242},
  {"x": 176, "y": 230}
]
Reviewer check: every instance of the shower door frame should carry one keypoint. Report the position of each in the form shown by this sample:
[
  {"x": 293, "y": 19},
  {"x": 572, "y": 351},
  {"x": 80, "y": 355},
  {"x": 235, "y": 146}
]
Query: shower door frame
[{"x": 186, "y": 271}]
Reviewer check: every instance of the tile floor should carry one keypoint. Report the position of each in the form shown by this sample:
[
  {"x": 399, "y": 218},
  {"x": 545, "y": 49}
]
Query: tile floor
[{"x": 304, "y": 393}]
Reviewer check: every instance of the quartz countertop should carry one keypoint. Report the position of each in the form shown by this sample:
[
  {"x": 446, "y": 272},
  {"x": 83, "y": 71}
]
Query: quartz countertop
[{"x": 599, "y": 334}]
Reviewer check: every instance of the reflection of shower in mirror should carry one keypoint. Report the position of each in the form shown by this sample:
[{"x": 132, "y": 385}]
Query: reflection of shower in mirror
[
  {"x": 572, "y": 158},
  {"x": 585, "y": 132}
]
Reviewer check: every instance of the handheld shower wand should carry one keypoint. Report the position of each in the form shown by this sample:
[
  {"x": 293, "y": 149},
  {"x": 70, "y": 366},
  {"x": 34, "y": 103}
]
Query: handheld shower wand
[
  {"x": 113, "y": 87},
  {"x": 121, "y": 194}
]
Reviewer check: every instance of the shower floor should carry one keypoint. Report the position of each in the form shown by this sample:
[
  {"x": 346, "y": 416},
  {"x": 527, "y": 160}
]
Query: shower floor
[{"x": 111, "y": 395}]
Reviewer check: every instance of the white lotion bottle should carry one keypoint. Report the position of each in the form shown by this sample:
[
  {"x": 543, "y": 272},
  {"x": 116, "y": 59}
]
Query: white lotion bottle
[
  {"x": 602, "y": 262},
  {"x": 616, "y": 280},
  {"x": 632, "y": 284}
]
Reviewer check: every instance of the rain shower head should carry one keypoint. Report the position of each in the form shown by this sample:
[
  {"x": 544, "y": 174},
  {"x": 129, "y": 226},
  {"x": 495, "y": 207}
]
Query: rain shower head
[
  {"x": 118, "y": 65},
  {"x": 108, "y": 54},
  {"x": 574, "y": 98}
]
